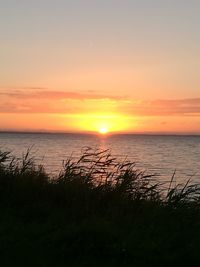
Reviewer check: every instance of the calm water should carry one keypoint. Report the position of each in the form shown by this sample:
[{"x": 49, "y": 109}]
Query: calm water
[{"x": 157, "y": 154}]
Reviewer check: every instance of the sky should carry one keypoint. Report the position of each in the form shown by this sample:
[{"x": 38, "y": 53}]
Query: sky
[{"x": 83, "y": 65}]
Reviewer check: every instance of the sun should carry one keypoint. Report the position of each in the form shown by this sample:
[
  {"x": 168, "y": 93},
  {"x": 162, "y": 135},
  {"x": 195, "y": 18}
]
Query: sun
[
  {"x": 103, "y": 130},
  {"x": 103, "y": 124}
]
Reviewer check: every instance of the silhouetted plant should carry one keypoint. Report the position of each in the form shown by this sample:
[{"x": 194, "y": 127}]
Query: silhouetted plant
[{"x": 97, "y": 211}]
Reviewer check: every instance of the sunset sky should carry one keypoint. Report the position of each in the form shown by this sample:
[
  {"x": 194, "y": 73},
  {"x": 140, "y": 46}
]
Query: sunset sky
[{"x": 85, "y": 65}]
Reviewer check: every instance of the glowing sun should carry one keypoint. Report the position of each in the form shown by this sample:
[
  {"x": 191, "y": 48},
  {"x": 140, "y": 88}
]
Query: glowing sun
[{"x": 103, "y": 130}]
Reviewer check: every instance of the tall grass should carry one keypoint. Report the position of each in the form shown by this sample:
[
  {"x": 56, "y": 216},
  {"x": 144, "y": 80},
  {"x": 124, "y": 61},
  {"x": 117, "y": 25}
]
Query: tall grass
[
  {"x": 97, "y": 171},
  {"x": 97, "y": 211}
]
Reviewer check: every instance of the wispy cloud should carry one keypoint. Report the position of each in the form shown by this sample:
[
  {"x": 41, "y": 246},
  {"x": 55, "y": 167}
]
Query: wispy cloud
[
  {"x": 42, "y": 93},
  {"x": 161, "y": 107},
  {"x": 43, "y": 100},
  {"x": 31, "y": 100}
]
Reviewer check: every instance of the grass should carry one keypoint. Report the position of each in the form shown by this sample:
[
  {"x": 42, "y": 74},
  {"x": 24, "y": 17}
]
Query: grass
[{"x": 95, "y": 212}]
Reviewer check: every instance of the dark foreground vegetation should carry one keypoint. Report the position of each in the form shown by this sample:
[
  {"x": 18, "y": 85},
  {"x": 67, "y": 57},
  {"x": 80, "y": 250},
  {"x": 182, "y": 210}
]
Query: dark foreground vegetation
[{"x": 96, "y": 212}]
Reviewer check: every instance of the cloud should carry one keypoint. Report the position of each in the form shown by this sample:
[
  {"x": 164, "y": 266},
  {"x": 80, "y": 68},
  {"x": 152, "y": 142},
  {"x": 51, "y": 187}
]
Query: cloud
[
  {"x": 39, "y": 93},
  {"x": 31, "y": 100},
  {"x": 161, "y": 107},
  {"x": 43, "y": 100}
]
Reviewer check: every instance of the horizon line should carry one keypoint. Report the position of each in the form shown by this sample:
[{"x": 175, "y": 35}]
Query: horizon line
[{"x": 96, "y": 133}]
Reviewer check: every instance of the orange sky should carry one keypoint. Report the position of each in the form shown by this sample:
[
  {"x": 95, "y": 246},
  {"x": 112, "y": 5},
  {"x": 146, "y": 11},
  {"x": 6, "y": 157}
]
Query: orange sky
[
  {"x": 43, "y": 109},
  {"x": 79, "y": 66}
]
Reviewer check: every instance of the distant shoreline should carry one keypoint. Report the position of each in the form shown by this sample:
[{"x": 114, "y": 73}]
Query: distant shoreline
[{"x": 96, "y": 133}]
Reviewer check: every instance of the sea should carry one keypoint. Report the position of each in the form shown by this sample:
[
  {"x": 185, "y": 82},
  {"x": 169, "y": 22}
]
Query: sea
[{"x": 161, "y": 155}]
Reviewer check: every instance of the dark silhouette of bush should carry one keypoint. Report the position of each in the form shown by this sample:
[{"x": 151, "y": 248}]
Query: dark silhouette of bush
[{"x": 95, "y": 212}]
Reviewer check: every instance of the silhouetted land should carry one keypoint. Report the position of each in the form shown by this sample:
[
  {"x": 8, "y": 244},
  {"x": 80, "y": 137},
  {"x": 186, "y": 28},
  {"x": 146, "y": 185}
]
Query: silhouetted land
[{"x": 96, "y": 212}]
